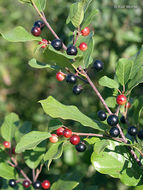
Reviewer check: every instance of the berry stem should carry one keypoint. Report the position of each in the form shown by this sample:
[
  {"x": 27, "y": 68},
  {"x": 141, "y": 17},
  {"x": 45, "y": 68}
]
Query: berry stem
[
  {"x": 38, "y": 171},
  {"x": 42, "y": 15},
  {"x": 33, "y": 174}
]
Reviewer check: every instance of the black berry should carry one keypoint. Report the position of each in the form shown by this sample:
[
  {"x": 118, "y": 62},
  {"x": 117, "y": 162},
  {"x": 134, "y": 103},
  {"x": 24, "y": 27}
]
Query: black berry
[
  {"x": 102, "y": 115},
  {"x": 81, "y": 147},
  {"x": 57, "y": 44},
  {"x": 37, "y": 185},
  {"x": 112, "y": 120},
  {"x": 98, "y": 65},
  {"x": 71, "y": 50},
  {"x": 114, "y": 132},
  {"x": 39, "y": 24},
  {"x": 26, "y": 183},
  {"x": 12, "y": 182},
  {"x": 36, "y": 31},
  {"x": 140, "y": 134},
  {"x": 123, "y": 120},
  {"x": 71, "y": 78},
  {"x": 132, "y": 131},
  {"x": 77, "y": 89}
]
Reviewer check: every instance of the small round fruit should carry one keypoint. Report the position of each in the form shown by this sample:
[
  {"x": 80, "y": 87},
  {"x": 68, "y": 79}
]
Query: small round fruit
[
  {"x": 46, "y": 184},
  {"x": 57, "y": 44},
  {"x": 77, "y": 89},
  {"x": 85, "y": 31},
  {"x": 67, "y": 133},
  {"x": 71, "y": 78},
  {"x": 12, "y": 182},
  {"x": 71, "y": 50},
  {"x": 37, "y": 184},
  {"x": 140, "y": 134},
  {"x": 26, "y": 183},
  {"x": 80, "y": 147},
  {"x": 75, "y": 139},
  {"x": 114, "y": 132},
  {"x": 36, "y": 31},
  {"x": 112, "y": 120},
  {"x": 98, "y": 65},
  {"x": 44, "y": 43},
  {"x": 6, "y": 144},
  {"x": 60, "y": 131},
  {"x": 40, "y": 24},
  {"x": 123, "y": 120},
  {"x": 132, "y": 130},
  {"x": 128, "y": 105},
  {"x": 121, "y": 99},
  {"x": 53, "y": 138},
  {"x": 101, "y": 115},
  {"x": 60, "y": 76},
  {"x": 83, "y": 46}
]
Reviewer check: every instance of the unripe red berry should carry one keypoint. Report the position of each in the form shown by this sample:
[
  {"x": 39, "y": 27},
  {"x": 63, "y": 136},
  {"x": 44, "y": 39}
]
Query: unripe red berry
[
  {"x": 75, "y": 139},
  {"x": 6, "y": 144},
  {"x": 67, "y": 133},
  {"x": 53, "y": 138},
  {"x": 36, "y": 31},
  {"x": 60, "y": 76},
  {"x": 46, "y": 184},
  {"x": 128, "y": 105},
  {"x": 26, "y": 183},
  {"x": 83, "y": 46},
  {"x": 60, "y": 131},
  {"x": 44, "y": 43},
  {"x": 85, "y": 31},
  {"x": 121, "y": 99}
]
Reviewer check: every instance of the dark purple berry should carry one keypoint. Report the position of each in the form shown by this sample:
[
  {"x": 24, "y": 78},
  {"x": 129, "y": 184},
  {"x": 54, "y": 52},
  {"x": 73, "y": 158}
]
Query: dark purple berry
[
  {"x": 123, "y": 120},
  {"x": 37, "y": 184},
  {"x": 71, "y": 78},
  {"x": 98, "y": 65},
  {"x": 77, "y": 89},
  {"x": 81, "y": 147},
  {"x": 71, "y": 50},
  {"x": 12, "y": 182},
  {"x": 112, "y": 120},
  {"x": 140, "y": 134},
  {"x": 57, "y": 44},
  {"x": 36, "y": 31},
  {"x": 101, "y": 115},
  {"x": 40, "y": 24},
  {"x": 132, "y": 131},
  {"x": 114, "y": 132}
]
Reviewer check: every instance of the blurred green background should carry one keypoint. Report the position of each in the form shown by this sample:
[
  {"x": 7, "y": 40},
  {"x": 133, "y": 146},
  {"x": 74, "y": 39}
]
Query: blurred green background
[{"x": 118, "y": 33}]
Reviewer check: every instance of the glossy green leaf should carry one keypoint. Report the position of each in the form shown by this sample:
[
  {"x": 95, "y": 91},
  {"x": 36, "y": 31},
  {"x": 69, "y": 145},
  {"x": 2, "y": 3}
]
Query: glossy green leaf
[
  {"x": 57, "y": 110},
  {"x": 19, "y": 34},
  {"x": 6, "y": 171},
  {"x": 92, "y": 140},
  {"x": 9, "y": 126},
  {"x": 111, "y": 102},
  {"x": 63, "y": 184},
  {"x": 31, "y": 140},
  {"x": 107, "y": 82},
  {"x": 100, "y": 146},
  {"x": 41, "y": 4}
]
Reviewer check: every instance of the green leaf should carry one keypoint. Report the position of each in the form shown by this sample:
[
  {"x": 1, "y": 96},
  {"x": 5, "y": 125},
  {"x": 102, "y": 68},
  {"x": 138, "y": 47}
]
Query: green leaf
[
  {"x": 92, "y": 140},
  {"x": 38, "y": 65},
  {"x": 31, "y": 140},
  {"x": 41, "y": 4},
  {"x": 25, "y": 1},
  {"x": 107, "y": 82},
  {"x": 63, "y": 184},
  {"x": 9, "y": 125},
  {"x": 100, "y": 146},
  {"x": 6, "y": 171},
  {"x": 123, "y": 70},
  {"x": 57, "y": 110},
  {"x": 19, "y": 34},
  {"x": 111, "y": 102}
]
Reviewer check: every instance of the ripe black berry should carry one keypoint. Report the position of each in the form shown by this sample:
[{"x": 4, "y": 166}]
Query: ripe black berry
[
  {"x": 123, "y": 120},
  {"x": 102, "y": 115},
  {"x": 39, "y": 24},
  {"x": 77, "y": 89},
  {"x": 37, "y": 185},
  {"x": 36, "y": 31},
  {"x": 12, "y": 182},
  {"x": 98, "y": 65},
  {"x": 71, "y": 50},
  {"x": 114, "y": 132},
  {"x": 57, "y": 44},
  {"x": 71, "y": 78},
  {"x": 132, "y": 131},
  {"x": 112, "y": 120},
  {"x": 140, "y": 134},
  {"x": 81, "y": 147}
]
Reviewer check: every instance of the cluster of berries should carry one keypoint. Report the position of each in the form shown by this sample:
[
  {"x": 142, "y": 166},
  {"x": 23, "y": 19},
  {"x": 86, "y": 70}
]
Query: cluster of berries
[
  {"x": 67, "y": 133},
  {"x": 37, "y": 184}
]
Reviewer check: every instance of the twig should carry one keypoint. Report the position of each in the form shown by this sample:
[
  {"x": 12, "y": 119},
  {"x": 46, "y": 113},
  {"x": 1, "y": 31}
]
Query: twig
[
  {"x": 33, "y": 173},
  {"x": 38, "y": 171}
]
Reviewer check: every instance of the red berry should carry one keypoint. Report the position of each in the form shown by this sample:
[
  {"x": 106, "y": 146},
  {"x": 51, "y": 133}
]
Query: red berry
[
  {"x": 44, "y": 42},
  {"x": 128, "y": 105},
  {"x": 36, "y": 31},
  {"x": 75, "y": 139},
  {"x": 67, "y": 133},
  {"x": 26, "y": 183},
  {"x": 53, "y": 138},
  {"x": 6, "y": 144},
  {"x": 83, "y": 46},
  {"x": 46, "y": 184},
  {"x": 85, "y": 31},
  {"x": 60, "y": 76},
  {"x": 60, "y": 131},
  {"x": 121, "y": 99}
]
